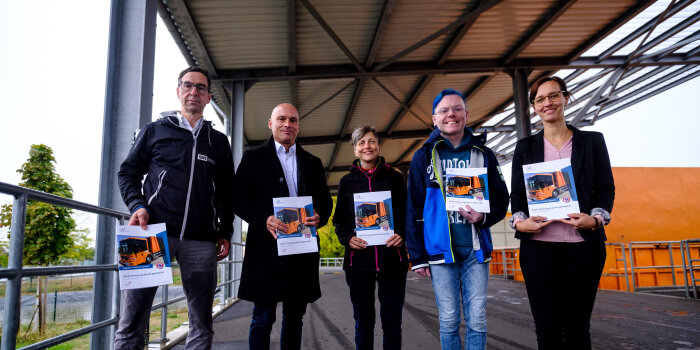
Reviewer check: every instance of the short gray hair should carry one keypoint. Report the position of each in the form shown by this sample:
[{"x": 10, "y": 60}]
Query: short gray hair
[{"x": 360, "y": 132}]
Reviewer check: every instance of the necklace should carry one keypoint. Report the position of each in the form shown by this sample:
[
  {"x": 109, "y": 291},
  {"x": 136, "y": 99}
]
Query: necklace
[{"x": 562, "y": 141}]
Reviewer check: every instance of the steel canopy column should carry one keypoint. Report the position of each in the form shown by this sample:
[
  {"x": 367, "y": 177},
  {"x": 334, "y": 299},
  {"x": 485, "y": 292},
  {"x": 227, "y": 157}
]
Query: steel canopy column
[
  {"x": 235, "y": 130},
  {"x": 522, "y": 105},
  {"x": 128, "y": 104}
]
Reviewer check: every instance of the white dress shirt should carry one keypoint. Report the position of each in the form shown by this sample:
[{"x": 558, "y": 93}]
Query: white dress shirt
[
  {"x": 185, "y": 124},
  {"x": 289, "y": 166}
]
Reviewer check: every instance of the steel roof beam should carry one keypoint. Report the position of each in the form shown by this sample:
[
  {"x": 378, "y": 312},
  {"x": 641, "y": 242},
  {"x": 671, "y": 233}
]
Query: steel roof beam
[
  {"x": 460, "y": 21},
  {"x": 692, "y": 52},
  {"x": 186, "y": 37},
  {"x": 487, "y": 66},
  {"x": 441, "y": 59},
  {"x": 379, "y": 32},
  {"x": 409, "y": 150},
  {"x": 637, "y": 99},
  {"x": 328, "y": 99},
  {"x": 545, "y": 21},
  {"x": 292, "y": 49},
  {"x": 611, "y": 27},
  {"x": 329, "y": 139},
  {"x": 401, "y": 103},
  {"x": 336, "y": 39},
  {"x": 360, "y": 82},
  {"x": 668, "y": 34},
  {"x": 673, "y": 48},
  {"x": 643, "y": 29}
]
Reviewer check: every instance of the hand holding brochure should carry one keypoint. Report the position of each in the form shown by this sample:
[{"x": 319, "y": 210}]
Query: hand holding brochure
[
  {"x": 467, "y": 186},
  {"x": 551, "y": 191},
  {"x": 298, "y": 238},
  {"x": 144, "y": 259},
  {"x": 374, "y": 219}
]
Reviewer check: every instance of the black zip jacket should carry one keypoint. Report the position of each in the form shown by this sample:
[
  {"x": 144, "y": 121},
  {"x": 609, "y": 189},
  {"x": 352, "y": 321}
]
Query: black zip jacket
[
  {"x": 189, "y": 179},
  {"x": 372, "y": 258}
]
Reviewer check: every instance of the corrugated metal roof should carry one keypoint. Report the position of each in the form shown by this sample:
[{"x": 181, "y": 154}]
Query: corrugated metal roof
[{"x": 469, "y": 45}]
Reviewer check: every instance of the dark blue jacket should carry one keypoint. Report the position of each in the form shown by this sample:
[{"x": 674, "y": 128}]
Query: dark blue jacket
[{"x": 428, "y": 234}]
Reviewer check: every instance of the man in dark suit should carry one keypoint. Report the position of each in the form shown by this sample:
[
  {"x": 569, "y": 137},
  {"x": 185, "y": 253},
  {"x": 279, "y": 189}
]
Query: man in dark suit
[{"x": 280, "y": 168}]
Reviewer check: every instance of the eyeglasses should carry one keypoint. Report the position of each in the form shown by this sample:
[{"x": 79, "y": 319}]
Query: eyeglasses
[
  {"x": 553, "y": 97},
  {"x": 455, "y": 109},
  {"x": 186, "y": 86}
]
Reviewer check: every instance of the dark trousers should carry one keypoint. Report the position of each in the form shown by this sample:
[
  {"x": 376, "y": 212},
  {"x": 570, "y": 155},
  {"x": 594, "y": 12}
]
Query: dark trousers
[
  {"x": 392, "y": 288},
  {"x": 561, "y": 281},
  {"x": 264, "y": 316}
]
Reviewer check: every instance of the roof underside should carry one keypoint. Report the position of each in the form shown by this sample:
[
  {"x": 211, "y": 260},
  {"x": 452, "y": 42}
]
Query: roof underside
[{"x": 381, "y": 62}]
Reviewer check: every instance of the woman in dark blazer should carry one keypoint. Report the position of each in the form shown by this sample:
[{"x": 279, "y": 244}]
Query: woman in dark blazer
[
  {"x": 562, "y": 260},
  {"x": 367, "y": 266}
]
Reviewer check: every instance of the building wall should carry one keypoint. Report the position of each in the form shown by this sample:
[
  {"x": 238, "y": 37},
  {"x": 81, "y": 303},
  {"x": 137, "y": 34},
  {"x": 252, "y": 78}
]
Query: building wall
[{"x": 655, "y": 204}]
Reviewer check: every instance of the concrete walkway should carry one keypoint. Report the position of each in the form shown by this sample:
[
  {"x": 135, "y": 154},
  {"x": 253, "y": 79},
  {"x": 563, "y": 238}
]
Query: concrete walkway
[{"x": 620, "y": 320}]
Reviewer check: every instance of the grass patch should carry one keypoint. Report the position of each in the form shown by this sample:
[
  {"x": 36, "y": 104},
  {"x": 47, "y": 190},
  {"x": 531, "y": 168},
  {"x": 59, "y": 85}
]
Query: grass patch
[
  {"x": 55, "y": 329},
  {"x": 175, "y": 319}
]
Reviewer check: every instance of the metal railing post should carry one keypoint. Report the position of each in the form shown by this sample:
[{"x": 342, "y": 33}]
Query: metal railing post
[
  {"x": 673, "y": 266},
  {"x": 164, "y": 315},
  {"x": 685, "y": 271},
  {"x": 624, "y": 262},
  {"x": 13, "y": 293},
  {"x": 505, "y": 265},
  {"x": 631, "y": 251}
]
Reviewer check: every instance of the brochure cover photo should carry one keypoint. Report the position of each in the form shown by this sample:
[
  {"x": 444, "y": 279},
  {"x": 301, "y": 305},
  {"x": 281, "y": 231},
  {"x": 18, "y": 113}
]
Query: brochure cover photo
[
  {"x": 144, "y": 259},
  {"x": 298, "y": 238},
  {"x": 374, "y": 219},
  {"x": 467, "y": 186},
  {"x": 551, "y": 191}
]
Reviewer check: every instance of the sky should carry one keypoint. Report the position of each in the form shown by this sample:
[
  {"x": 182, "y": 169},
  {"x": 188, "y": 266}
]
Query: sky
[{"x": 54, "y": 63}]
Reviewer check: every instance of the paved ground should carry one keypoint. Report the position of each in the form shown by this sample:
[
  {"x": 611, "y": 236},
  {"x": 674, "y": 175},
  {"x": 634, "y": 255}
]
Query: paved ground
[{"x": 620, "y": 320}]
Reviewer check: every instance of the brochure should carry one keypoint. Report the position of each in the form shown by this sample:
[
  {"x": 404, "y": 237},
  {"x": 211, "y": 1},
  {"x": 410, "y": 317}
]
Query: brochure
[
  {"x": 374, "y": 218},
  {"x": 467, "y": 186},
  {"x": 299, "y": 238},
  {"x": 144, "y": 259},
  {"x": 551, "y": 191}
]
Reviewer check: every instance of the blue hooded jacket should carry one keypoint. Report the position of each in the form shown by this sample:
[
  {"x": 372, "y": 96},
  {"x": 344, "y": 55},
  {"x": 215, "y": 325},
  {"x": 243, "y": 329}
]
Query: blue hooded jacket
[{"x": 428, "y": 236}]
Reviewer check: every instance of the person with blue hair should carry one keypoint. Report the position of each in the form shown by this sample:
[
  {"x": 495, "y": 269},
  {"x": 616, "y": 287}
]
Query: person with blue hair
[{"x": 453, "y": 247}]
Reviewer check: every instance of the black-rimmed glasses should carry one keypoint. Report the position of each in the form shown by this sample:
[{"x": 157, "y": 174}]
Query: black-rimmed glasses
[{"x": 186, "y": 86}]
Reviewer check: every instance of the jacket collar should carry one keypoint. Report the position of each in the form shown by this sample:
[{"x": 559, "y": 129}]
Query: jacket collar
[
  {"x": 381, "y": 164},
  {"x": 476, "y": 140}
]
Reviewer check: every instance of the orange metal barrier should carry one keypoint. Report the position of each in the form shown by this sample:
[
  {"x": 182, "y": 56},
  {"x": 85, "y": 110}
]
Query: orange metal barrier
[{"x": 633, "y": 266}]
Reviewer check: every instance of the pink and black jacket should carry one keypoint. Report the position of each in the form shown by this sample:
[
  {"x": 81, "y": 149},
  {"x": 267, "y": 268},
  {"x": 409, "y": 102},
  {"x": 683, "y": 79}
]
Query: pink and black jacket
[{"x": 373, "y": 258}]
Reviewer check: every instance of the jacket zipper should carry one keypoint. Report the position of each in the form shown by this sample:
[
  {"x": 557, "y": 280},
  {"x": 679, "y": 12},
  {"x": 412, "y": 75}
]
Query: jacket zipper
[
  {"x": 376, "y": 253},
  {"x": 161, "y": 176},
  {"x": 189, "y": 186},
  {"x": 438, "y": 176}
]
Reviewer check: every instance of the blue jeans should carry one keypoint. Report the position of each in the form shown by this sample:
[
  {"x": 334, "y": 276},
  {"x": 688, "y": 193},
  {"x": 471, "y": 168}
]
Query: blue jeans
[
  {"x": 465, "y": 280},
  {"x": 392, "y": 289},
  {"x": 264, "y": 316}
]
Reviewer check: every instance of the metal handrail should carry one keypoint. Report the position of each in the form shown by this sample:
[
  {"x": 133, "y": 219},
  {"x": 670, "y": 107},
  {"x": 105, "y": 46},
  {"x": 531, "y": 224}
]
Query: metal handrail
[{"x": 15, "y": 271}]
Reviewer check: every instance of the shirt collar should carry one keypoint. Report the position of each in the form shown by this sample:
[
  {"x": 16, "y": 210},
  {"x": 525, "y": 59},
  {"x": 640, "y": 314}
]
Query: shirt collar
[
  {"x": 184, "y": 123},
  {"x": 282, "y": 150}
]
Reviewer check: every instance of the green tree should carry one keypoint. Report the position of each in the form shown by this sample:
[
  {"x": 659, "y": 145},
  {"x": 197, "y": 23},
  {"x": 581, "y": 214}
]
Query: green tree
[
  {"x": 330, "y": 246},
  {"x": 81, "y": 250},
  {"x": 47, "y": 233}
]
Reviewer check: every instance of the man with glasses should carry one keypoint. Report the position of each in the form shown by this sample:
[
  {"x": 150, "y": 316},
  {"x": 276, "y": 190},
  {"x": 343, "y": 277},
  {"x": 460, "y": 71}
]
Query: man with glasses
[
  {"x": 453, "y": 247},
  {"x": 189, "y": 187}
]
